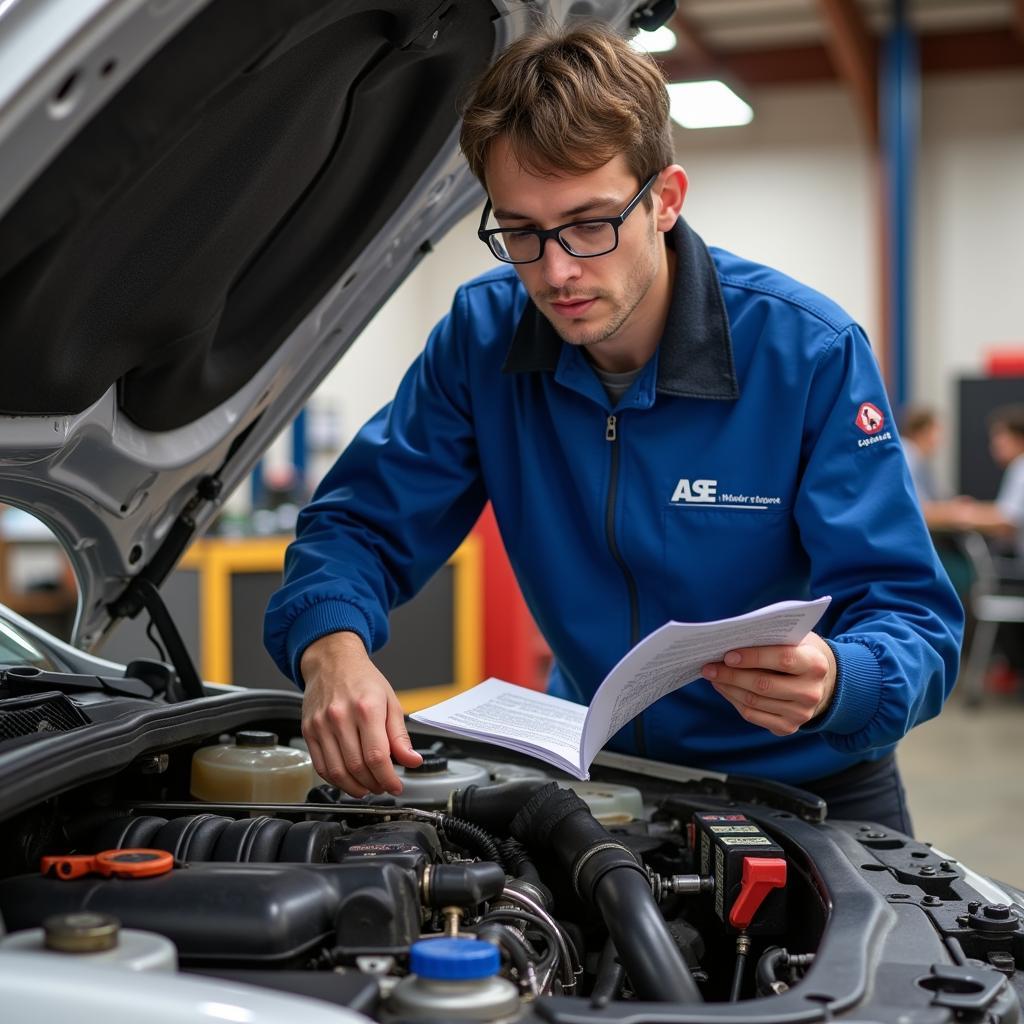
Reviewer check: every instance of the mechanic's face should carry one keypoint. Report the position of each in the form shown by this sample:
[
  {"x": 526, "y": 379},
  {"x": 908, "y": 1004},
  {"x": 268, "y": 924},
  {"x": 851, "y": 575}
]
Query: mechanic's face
[{"x": 616, "y": 303}]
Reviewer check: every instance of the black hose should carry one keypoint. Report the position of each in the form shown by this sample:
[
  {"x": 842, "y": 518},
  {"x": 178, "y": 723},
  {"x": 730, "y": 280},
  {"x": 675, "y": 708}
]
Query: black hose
[
  {"x": 766, "y": 972},
  {"x": 473, "y": 837},
  {"x": 521, "y": 917},
  {"x": 650, "y": 956},
  {"x": 495, "y": 806},
  {"x": 608, "y": 980},
  {"x": 737, "y": 977},
  {"x": 518, "y": 863},
  {"x": 607, "y": 875},
  {"x": 546, "y": 962},
  {"x": 543, "y": 959},
  {"x": 560, "y": 945},
  {"x": 514, "y": 947}
]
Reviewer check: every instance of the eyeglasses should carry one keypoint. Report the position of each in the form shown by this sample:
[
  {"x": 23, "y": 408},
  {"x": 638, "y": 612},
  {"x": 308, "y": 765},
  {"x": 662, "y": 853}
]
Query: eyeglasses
[{"x": 581, "y": 238}]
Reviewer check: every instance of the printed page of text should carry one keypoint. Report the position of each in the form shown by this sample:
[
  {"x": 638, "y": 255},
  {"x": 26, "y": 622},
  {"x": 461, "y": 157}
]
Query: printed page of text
[
  {"x": 514, "y": 717},
  {"x": 673, "y": 656}
]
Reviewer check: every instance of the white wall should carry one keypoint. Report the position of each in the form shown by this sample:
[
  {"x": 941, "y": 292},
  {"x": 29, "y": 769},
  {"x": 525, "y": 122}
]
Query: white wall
[
  {"x": 797, "y": 189},
  {"x": 970, "y": 256},
  {"x": 794, "y": 189}
]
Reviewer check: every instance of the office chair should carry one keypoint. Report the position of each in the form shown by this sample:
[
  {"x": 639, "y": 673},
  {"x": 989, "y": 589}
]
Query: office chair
[{"x": 990, "y": 607}]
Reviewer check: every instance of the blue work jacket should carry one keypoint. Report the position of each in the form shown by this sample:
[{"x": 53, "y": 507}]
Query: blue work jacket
[{"x": 754, "y": 459}]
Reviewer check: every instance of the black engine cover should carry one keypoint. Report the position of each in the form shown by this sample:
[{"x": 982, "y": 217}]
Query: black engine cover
[{"x": 244, "y": 914}]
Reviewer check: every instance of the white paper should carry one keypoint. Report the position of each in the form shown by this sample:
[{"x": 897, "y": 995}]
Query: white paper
[
  {"x": 673, "y": 656},
  {"x": 569, "y": 735},
  {"x": 514, "y": 717}
]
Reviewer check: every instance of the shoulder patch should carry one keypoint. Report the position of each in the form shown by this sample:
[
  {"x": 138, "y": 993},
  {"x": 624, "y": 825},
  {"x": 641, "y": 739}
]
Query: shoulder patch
[{"x": 870, "y": 418}]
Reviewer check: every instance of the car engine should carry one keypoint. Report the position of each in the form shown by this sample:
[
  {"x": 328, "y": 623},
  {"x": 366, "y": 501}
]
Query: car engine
[{"x": 651, "y": 892}]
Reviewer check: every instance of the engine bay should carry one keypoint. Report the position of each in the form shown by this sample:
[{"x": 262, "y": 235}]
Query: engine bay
[{"x": 648, "y": 891}]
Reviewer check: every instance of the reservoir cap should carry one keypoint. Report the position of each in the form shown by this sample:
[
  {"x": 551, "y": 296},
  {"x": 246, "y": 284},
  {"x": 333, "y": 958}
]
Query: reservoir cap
[
  {"x": 252, "y": 738},
  {"x": 432, "y": 764},
  {"x": 83, "y": 932},
  {"x": 454, "y": 959}
]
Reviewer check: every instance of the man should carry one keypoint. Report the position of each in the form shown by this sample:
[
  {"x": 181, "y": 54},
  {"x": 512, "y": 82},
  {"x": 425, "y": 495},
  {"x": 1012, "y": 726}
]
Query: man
[
  {"x": 922, "y": 437},
  {"x": 945, "y": 517},
  {"x": 1004, "y": 517},
  {"x": 664, "y": 433}
]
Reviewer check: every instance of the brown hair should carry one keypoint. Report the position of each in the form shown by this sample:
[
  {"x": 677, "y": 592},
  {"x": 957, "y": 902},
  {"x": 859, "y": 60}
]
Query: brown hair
[
  {"x": 916, "y": 420},
  {"x": 1010, "y": 418},
  {"x": 568, "y": 102}
]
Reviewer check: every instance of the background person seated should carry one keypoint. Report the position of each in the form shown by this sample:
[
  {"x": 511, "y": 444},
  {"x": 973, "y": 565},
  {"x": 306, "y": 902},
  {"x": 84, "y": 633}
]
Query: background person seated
[
  {"x": 1003, "y": 519},
  {"x": 922, "y": 436},
  {"x": 921, "y": 431}
]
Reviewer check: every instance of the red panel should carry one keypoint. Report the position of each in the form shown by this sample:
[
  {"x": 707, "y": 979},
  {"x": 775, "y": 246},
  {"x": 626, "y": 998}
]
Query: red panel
[
  {"x": 514, "y": 650},
  {"x": 1005, "y": 362}
]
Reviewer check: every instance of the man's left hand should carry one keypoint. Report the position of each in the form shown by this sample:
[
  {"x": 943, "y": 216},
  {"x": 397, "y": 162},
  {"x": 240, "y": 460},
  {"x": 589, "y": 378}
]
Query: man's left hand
[{"x": 778, "y": 688}]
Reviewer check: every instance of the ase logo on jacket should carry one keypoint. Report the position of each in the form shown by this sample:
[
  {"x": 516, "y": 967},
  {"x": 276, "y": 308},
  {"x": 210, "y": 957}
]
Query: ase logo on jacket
[
  {"x": 699, "y": 492},
  {"x": 705, "y": 492}
]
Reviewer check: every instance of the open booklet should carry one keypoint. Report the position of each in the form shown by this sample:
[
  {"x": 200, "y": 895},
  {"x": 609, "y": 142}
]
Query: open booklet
[{"x": 569, "y": 735}]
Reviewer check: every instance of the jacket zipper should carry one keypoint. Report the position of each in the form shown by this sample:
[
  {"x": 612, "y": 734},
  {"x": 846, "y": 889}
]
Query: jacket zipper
[{"x": 611, "y": 435}]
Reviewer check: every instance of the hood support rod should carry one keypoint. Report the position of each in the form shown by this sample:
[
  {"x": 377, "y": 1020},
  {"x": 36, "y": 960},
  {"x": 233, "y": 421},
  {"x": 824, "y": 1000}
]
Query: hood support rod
[
  {"x": 142, "y": 591},
  {"x": 147, "y": 592}
]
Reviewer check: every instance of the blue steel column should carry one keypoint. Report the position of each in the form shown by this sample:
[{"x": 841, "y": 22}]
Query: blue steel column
[
  {"x": 900, "y": 101},
  {"x": 299, "y": 452},
  {"x": 257, "y": 488}
]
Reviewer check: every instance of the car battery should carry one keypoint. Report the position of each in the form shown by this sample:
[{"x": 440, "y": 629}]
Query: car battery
[{"x": 749, "y": 872}]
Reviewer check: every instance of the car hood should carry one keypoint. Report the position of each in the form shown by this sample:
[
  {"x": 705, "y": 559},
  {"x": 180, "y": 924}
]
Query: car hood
[{"x": 202, "y": 205}]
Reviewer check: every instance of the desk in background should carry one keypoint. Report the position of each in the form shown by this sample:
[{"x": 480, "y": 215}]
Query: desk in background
[
  {"x": 219, "y": 591},
  {"x": 35, "y": 575}
]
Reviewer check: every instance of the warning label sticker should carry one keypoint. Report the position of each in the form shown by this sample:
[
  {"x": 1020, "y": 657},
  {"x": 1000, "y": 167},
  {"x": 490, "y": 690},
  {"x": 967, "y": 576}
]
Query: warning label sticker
[
  {"x": 719, "y": 883},
  {"x": 746, "y": 841},
  {"x": 726, "y": 829}
]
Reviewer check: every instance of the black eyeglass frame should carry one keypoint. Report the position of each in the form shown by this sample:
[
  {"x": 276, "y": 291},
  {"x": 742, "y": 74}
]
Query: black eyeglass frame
[{"x": 485, "y": 234}]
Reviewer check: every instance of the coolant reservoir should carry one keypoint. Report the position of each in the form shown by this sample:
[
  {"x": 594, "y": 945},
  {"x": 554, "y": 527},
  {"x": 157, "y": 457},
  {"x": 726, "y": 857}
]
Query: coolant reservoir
[
  {"x": 610, "y": 804},
  {"x": 253, "y": 768},
  {"x": 454, "y": 979},
  {"x": 436, "y": 777},
  {"x": 96, "y": 939}
]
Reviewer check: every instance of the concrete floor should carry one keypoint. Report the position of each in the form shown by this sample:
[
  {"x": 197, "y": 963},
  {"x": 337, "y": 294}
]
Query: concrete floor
[{"x": 964, "y": 776}]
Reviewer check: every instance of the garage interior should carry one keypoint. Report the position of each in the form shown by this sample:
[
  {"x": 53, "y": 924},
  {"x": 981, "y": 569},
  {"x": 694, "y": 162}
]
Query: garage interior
[{"x": 883, "y": 165}]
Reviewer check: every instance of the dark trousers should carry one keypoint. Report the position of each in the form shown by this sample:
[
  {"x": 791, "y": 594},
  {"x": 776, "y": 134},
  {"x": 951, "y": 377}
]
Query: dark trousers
[{"x": 871, "y": 791}]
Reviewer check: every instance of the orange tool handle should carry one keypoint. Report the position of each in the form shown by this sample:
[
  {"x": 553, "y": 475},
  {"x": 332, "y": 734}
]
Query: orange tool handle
[
  {"x": 134, "y": 863},
  {"x": 68, "y": 867}
]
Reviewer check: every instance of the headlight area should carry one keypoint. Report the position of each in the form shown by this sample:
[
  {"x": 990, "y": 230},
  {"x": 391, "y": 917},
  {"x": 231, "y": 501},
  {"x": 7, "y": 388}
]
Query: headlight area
[{"x": 491, "y": 891}]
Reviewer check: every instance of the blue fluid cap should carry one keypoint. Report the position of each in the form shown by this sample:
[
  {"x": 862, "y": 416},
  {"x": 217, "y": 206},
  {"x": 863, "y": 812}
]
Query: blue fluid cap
[{"x": 454, "y": 959}]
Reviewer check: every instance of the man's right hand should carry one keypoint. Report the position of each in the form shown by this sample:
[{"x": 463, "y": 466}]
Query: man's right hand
[{"x": 351, "y": 718}]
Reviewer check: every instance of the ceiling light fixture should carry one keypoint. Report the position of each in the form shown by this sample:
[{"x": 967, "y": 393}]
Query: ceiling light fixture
[{"x": 707, "y": 105}]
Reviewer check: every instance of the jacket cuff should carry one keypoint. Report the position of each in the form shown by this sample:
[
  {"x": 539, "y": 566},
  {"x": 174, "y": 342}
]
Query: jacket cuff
[
  {"x": 331, "y": 616},
  {"x": 857, "y": 693}
]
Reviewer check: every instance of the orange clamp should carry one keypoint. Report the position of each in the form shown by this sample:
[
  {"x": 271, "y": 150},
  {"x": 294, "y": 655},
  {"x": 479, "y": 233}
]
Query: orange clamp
[
  {"x": 760, "y": 876},
  {"x": 136, "y": 863}
]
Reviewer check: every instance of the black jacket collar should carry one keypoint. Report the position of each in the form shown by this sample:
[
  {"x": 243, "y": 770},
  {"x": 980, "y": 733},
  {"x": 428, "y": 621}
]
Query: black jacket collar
[{"x": 695, "y": 352}]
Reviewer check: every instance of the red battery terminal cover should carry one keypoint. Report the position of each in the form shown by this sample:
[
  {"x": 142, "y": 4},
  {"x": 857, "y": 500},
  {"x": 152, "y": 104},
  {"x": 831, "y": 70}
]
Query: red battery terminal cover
[
  {"x": 760, "y": 876},
  {"x": 135, "y": 863}
]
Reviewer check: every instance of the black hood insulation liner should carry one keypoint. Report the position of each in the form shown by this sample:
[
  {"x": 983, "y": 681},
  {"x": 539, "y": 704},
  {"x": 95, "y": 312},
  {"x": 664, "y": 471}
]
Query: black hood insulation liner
[{"x": 193, "y": 223}]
